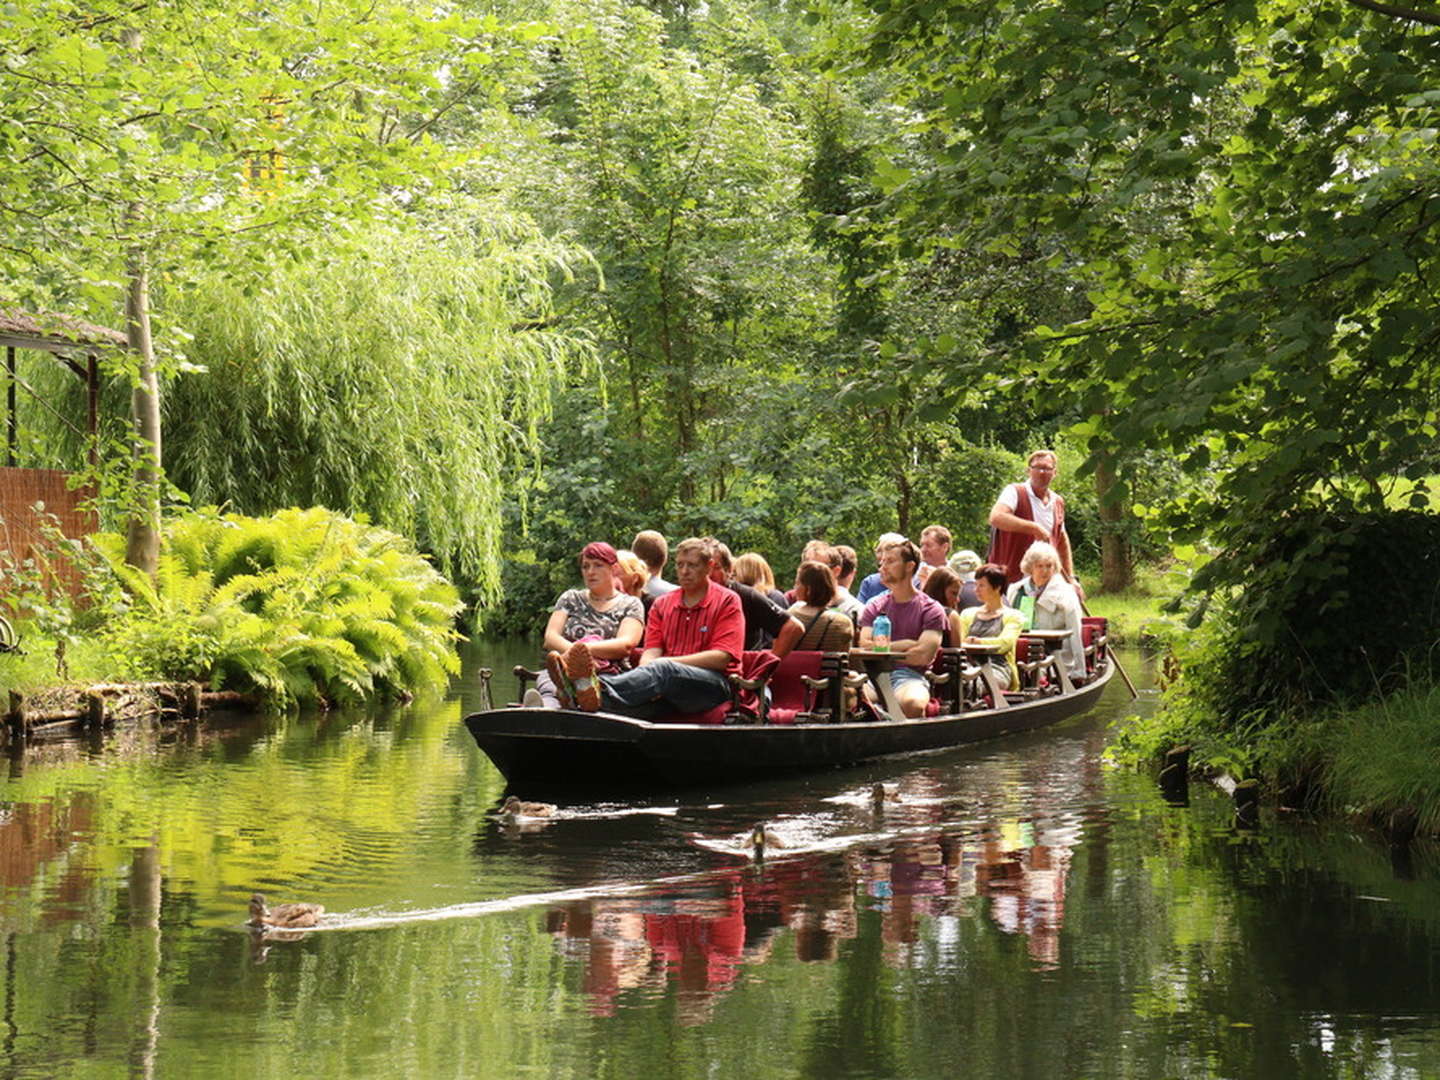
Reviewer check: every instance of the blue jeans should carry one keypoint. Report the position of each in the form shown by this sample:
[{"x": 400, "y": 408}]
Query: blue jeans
[{"x": 663, "y": 687}]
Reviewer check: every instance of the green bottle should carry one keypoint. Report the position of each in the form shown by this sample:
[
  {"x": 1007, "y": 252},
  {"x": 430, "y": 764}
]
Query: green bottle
[{"x": 1027, "y": 611}]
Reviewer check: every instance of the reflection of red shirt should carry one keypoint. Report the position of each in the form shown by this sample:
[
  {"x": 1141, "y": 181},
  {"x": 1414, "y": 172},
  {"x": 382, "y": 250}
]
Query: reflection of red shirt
[
  {"x": 717, "y": 622},
  {"x": 718, "y": 942}
]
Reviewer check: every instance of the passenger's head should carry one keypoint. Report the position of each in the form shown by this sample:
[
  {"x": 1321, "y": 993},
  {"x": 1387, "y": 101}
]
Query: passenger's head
[
  {"x": 721, "y": 561},
  {"x": 934, "y": 544},
  {"x": 990, "y": 583},
  {"x": 597, "y": 567},
  {"x": 753, "y": 570},
  {"x": 965, "y": 562},
  {"x": 1043, "y": 466},
  {"x": 898, "y": 563},
  {"x": 844, "y": 562},
  {"x": 1040, "y": 562},
  {"x": 692, "y": 562},
  {"x": 651, "y": 547},
  {"x": 943, "y": 585},
  {"x": 815, "y": 551},
  {"x": 814, "y": 584},
  {"x": 631, "y": 573},
  {"x": 886, "y": 539}
]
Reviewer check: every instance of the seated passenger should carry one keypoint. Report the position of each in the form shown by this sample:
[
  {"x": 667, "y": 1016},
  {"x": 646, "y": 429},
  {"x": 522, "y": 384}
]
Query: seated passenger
[
  {"x": 1057, "y": 604},
  {"x": 606, "y": 619},
  {"x": 916, "y": 626},
  {"x": 965, "y": 562},
  {"x": 827, "y": 628},
  {"x": 694, "y": 636},
  {"x": 843, "y": 564},
  {"x": 943, "y": 586},
  {"x": 767, "y": 626},
  {"x": 934, "y": 552},
  {"x": 651, "y": 547},
  {"x": 814, "y": 551},
  {"x": 633, "y": 577},
  {"x": 752, "y": 569},
  {"x": 871, "y": 586},
  {"x": 992, "y": 623}
]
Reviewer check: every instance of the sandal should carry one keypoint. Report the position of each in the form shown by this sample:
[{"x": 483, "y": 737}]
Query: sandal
[
  {"x": 580, "y": 667},
  {"x": 564, "y": 689}
]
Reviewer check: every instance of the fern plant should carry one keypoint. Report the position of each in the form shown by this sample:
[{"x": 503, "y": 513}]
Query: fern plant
[{"x": 303, "y": 605}]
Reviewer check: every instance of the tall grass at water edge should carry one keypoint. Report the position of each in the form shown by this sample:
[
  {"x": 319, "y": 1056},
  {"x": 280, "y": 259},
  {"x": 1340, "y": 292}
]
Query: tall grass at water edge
[{"x": 1373, "y": 761}]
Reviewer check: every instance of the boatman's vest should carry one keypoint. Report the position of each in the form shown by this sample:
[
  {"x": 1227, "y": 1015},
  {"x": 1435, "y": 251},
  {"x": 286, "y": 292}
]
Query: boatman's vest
[{"x": 1007, "y": 548}]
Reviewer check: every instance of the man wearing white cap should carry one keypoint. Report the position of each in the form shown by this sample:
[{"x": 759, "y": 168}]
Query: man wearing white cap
[{"x": 965, "y": 562}]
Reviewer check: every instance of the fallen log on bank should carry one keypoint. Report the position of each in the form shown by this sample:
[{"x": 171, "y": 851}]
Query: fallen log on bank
[{"x": 105, "y": 704}]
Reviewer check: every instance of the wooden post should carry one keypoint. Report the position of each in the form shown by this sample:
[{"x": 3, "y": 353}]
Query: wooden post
[
  {"x": 94, "y": 710},
  {"x": 13, "y": 423},
  {"x": 190, "y": 701},
  {"x": 92, "y": 404},
  {"x": 1175, "y": 775},
  {"x": 1247, "y": 802},
  {"x": 16, "y": 716}
]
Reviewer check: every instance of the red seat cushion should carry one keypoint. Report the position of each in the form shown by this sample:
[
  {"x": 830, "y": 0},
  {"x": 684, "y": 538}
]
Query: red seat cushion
[{"x": 787, "y": 692}]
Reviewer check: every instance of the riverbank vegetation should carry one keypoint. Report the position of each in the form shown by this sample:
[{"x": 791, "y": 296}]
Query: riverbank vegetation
[
  {"x": 300, "y": 606},
  {"x": 505, "y": 282}
]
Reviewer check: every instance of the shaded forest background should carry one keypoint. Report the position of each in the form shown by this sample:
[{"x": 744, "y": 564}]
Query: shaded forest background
[{"x": 509, "y": 277}]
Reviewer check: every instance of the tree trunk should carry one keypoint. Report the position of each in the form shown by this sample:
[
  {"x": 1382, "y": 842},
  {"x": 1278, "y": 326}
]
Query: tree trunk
[
  {"x": 1114, "y": 549},
  {"x": 142, "y": 532}
]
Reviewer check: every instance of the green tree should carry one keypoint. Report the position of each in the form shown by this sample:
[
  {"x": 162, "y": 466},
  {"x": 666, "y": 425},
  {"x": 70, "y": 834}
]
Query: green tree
[
  {"x": 140, "y": 143},
  {"x": 1274, "y": 322}
]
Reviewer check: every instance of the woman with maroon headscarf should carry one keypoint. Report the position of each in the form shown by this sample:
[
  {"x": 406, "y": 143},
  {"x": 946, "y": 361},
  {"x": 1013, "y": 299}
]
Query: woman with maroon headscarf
[{"x": 610, "y": 622}]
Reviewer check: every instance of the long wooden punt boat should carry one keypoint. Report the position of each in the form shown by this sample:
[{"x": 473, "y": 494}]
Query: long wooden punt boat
[{"x": 558, "y": 749}]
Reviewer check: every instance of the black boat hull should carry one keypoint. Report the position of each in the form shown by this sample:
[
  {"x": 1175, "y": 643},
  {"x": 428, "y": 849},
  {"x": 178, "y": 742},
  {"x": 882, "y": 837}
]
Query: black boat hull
[{"x": 559, "y": 748}]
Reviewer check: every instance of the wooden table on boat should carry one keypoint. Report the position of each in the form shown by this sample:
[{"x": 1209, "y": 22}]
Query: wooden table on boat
[
  {"x": 877, "y": 665},
  {"x": 981, "y": 655},
  {"x": 1053, "y": 639}
]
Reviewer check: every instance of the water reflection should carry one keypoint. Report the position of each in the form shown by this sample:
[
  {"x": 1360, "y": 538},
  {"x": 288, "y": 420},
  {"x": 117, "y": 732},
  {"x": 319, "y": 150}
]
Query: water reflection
[
  {"x": 1010, "y": 906},
  {"x": 695, "y": 939}
]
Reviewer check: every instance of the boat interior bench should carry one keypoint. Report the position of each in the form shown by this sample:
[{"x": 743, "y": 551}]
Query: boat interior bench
[{"x": 805, "y": 687}]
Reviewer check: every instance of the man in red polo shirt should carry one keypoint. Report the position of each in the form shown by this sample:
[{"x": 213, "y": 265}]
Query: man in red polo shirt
[{"x": 693, "y": 637}]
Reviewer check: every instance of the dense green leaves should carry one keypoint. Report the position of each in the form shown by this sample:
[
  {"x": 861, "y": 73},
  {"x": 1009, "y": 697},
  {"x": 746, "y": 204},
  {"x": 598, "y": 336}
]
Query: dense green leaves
[{"x": 302, "y": 605}]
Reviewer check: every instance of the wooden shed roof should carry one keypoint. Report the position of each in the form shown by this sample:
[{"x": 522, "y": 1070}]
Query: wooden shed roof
[{"x": 47, "y": 330}]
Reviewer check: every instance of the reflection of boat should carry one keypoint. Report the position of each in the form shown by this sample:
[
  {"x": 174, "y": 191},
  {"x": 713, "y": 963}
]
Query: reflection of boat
[{"x": 559, "y": 748}]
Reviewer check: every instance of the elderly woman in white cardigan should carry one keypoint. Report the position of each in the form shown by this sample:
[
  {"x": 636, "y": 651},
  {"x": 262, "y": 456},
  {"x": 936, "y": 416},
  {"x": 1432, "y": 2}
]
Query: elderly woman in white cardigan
[{"x": 1057, "y": 604}]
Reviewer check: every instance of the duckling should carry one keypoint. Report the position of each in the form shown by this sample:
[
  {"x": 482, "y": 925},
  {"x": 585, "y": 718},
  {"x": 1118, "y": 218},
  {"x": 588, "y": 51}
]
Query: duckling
[
  {"x": 513, "y": 808},
  {"x": 285, "y": 916},
  {"x": 762, "y": 838},
  {"x": 880, "y": 795}
]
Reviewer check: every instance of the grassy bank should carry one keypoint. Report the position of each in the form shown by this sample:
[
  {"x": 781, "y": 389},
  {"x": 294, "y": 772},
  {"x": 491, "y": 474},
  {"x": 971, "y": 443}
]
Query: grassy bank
[
  {"x": 1135, "y": 613},
  {"x": 1374, "y": 762}
]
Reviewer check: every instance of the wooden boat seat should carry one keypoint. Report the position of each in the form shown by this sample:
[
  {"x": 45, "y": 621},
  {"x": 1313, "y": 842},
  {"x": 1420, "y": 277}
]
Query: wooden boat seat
[
  {"x": 805, "y": 687},
  {"x": 1094, "y": 632},
  {"x": 1039, "y": 673},
  {"x": 947, "y": 686}
]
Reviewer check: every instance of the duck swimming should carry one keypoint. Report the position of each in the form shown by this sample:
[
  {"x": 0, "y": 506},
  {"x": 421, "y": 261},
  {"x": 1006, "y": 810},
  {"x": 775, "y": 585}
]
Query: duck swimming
[
  {"x": 762, "y": 838},
  {"x": 514, "y": 808},
  {"x": 284, "y": 916}
]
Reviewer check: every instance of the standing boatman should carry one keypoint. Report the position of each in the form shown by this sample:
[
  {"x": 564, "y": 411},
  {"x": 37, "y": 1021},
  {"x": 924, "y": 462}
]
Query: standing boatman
[{"x": 1028, "y": 512}]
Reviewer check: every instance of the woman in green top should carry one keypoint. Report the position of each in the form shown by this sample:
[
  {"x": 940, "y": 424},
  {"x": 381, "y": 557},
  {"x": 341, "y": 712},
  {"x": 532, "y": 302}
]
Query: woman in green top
[{"x": 992, "y": 623}]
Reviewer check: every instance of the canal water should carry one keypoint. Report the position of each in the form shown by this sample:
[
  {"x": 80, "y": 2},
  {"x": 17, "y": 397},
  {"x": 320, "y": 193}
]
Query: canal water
[{"x": 1014, "y": 909}]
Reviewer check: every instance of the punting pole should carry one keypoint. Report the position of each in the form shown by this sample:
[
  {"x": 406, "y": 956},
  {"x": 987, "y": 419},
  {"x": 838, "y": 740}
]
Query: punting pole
[{"x": 1115, "y": 659}]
